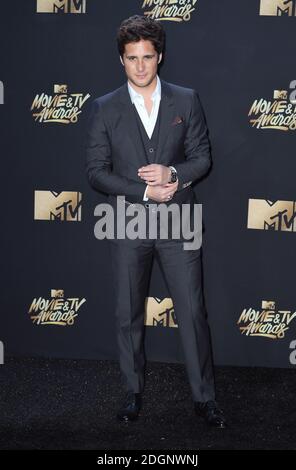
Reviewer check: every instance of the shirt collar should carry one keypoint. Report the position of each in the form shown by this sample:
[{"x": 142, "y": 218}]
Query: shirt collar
[{"x": 134, "y": 95}]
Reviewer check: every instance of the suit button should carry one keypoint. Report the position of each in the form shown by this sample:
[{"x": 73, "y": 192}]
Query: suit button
[
  {"x": 147, "y": 205},
  {"x": 151, "y": 150}
]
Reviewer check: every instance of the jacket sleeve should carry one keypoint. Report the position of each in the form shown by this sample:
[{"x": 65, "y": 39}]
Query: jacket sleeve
[
  {"x": 98, "y": 163},
  {"x": 196, "y": 146}
]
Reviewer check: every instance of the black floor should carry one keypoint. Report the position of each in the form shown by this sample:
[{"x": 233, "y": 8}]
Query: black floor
[{"x": 71, "y": 404}]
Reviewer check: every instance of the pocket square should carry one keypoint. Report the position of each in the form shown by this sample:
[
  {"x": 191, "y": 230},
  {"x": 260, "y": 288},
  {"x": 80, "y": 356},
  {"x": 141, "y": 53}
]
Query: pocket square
[{"x": 177, "y": 120}]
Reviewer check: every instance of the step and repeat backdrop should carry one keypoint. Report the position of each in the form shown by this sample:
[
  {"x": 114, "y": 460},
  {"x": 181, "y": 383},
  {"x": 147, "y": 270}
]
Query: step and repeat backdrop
[{"x": 57, "y": 56}]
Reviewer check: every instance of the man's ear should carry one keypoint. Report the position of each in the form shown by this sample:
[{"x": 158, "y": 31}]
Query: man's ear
[
  {"x": 159, "y": 58},
  {"x": 121, "y": 60}
]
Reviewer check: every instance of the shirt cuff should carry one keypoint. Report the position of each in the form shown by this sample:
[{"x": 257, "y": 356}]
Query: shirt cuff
[{"x": 145, "y": 198}]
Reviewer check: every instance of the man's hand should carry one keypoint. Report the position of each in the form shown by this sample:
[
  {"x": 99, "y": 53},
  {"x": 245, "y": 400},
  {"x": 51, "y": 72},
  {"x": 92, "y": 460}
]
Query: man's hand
[
  {"x": 162, "y": 193},
  {"x": 155, "y": 174}
]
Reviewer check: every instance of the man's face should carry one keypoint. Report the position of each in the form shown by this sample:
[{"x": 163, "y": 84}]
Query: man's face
[{"x": 140, "y": 61}]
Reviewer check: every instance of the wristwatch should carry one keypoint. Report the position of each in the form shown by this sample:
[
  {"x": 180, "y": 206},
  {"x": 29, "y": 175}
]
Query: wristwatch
[{"x": 174, "y": 175}]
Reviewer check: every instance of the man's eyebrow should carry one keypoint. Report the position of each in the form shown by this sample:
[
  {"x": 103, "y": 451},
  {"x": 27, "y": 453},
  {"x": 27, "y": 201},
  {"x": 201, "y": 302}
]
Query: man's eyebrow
[{"x": 129, "y": 56}]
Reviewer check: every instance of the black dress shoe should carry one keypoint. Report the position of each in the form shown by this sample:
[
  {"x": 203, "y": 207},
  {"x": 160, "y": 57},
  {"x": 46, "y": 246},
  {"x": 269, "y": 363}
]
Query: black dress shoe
[
  {"x": 130, "y": 409},
  {"x": 211, "y": 413}
]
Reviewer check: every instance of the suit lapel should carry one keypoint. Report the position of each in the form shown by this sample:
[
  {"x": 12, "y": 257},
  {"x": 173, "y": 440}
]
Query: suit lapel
[
  {"x": 166, "y": 118},
  {"x": 130, "y": 124}
]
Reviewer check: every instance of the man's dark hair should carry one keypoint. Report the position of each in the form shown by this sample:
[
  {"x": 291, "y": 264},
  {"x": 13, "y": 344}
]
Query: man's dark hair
[{"x": 139, "y": 27}]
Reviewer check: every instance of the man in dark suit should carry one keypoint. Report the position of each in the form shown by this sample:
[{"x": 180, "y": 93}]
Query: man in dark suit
[{"x": 147, "y": 141}]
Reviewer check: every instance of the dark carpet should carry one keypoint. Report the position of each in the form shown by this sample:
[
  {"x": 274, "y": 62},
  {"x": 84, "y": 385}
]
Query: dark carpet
[{"x": 71, "y": 404}]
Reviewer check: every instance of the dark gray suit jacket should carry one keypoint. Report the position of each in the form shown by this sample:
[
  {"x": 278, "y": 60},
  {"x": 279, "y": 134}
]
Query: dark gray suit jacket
[{"x": 114, "y": 150}]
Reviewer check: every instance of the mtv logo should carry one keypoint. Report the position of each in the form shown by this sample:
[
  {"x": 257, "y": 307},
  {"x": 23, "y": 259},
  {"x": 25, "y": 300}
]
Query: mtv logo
[
  {"x": 60, "y": 88},
  {"x": 268, "y": 215},
  {"x": 159, "y": 312},
  {"x": 50, "y": 205},
  {"x": 268, "y": 305},
  {"x": 277, "y": 8},
  {"x": 280, "y": 94},
  {"x": 1, "y": 93},
  {"x": 61, "y": 6},
  {"x": 59, "y": 293}
]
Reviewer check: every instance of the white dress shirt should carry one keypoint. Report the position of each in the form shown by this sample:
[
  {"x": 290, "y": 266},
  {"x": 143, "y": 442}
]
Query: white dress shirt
[{"x": 148, "y": 120}]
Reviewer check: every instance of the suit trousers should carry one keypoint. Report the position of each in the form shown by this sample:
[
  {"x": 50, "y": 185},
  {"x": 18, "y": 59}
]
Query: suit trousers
[{"x": 182, "y": 270}]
